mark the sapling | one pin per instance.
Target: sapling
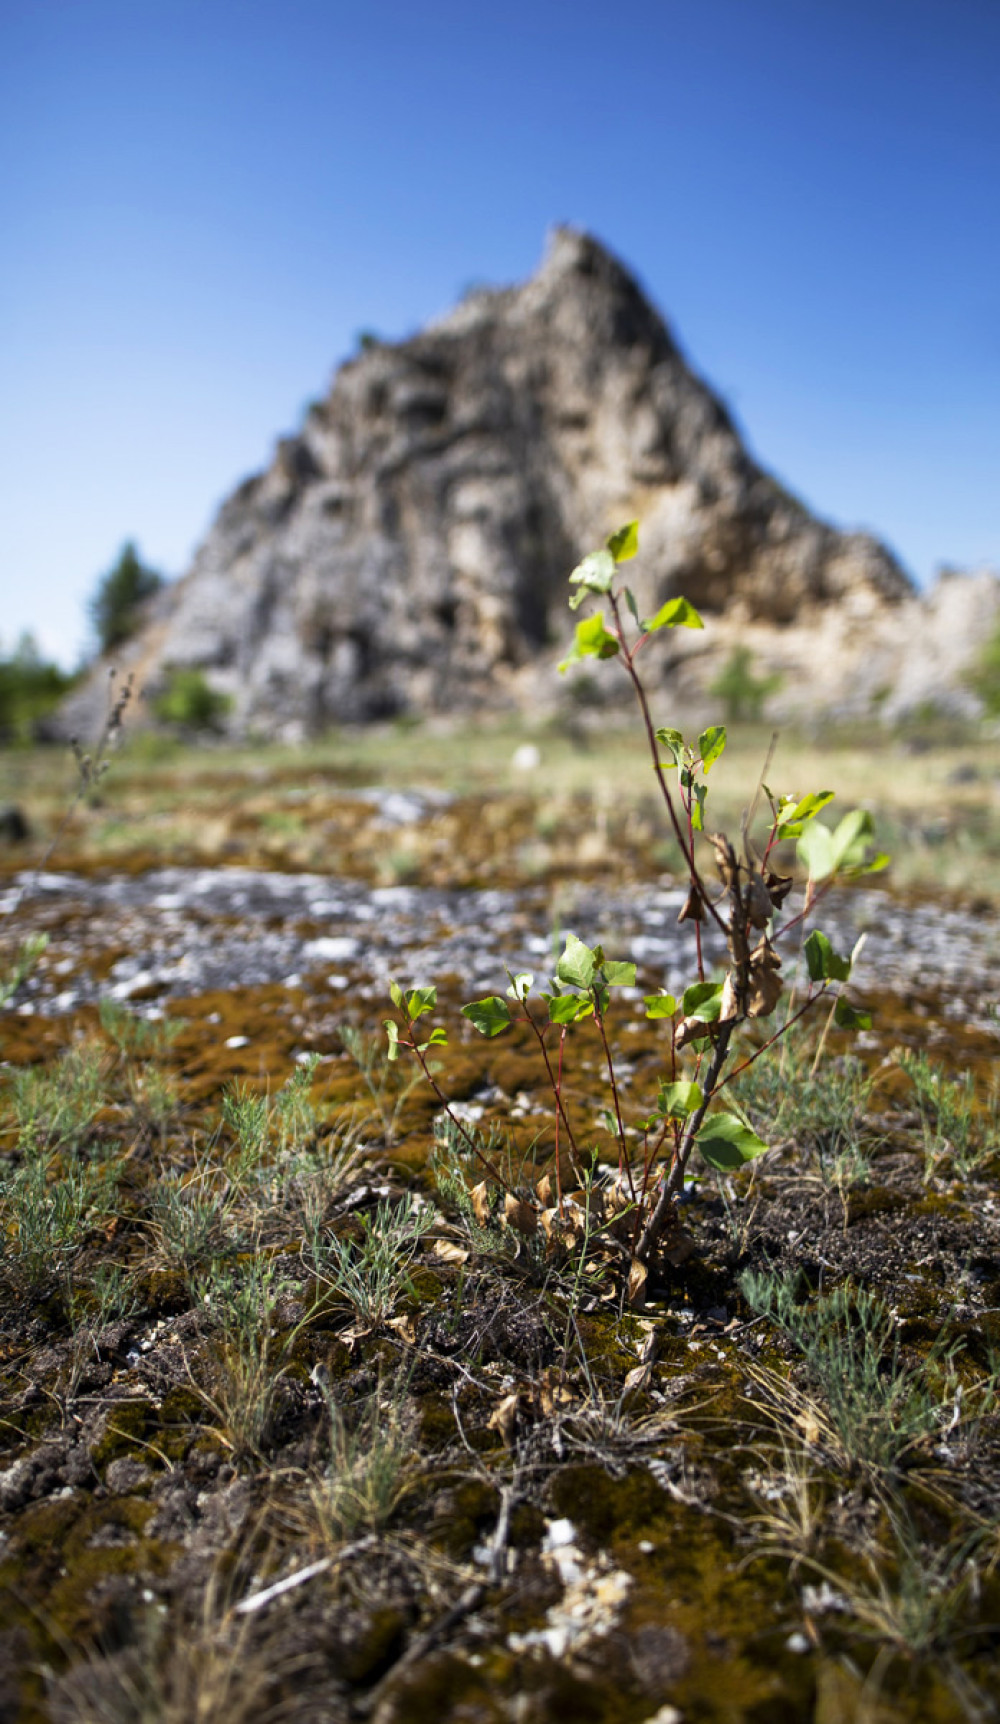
(742, 900)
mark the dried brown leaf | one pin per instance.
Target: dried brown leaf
(757, 902)
(730, 1007)
(520, 1214)
(693, 909)
(504, 1417)
(480, 1196)
(450, 1253)
(636, 1290)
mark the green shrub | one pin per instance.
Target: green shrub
(190, 702)
(741, 692)
(30, 688)
(984, 678)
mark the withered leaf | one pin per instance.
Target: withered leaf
(405, 1328)
(778, 887)
(693, 909)
(519, 1214)
(480, 1197)
(450, 1253)
(765, 981)
(543, 1190)
(730, 1007)
(725, 858)
(636, 1290)
(553, 1394)
(738, 944)
(688, 1030)
(757, 902)
(638, 1377)
(503, 1418)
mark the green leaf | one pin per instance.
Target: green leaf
(624, 544)
(703, 1000)
(726, 1142)
(677, 1100)
(396, 995)
(490, 1016)
(825, 965)
(392, 1031)
(795, 814)
(877, 863)
(608, 1120)
(676, 613)
(633, 607)
(419, 1001)
(577, 964)
(849, 1018)
(594, 575)
(711, 743)
(671, 739)
(520, 986)
(816, 852)
(438, 1038)
(852, 837)
(568, 1008)
(698, 807)
(592, 640)
(659, 1005)
(618, 974)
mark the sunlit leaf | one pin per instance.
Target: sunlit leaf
(624, 544)
(593, 575)
(677, 1100)
(592, 640)
(577, 964)
(676, 613)
(711, 743)
(659, 1005)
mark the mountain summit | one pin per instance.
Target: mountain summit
(408, 549)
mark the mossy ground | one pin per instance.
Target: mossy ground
(194, 1406)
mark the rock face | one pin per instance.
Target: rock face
(408, 549)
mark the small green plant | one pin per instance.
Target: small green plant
(371, 1272)
(238, 1308)
(54, 1107)
(48, 1206)
(192, 1217)
(369, 1467)
(878, 1404)
(389, 1090)
(952, 1125)
(704, 1025)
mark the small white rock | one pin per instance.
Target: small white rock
(237, 1041)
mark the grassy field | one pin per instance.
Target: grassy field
(934, 792)
(318, 1402)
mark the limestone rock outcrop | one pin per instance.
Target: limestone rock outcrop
(407, 550)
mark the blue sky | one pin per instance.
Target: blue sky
(202, 203)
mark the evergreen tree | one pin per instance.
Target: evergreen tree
(117, 604)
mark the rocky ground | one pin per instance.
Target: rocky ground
(300, 1422)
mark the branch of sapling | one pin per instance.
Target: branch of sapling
(628, 661)
(556, 1084)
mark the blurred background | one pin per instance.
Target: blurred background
(203, 204)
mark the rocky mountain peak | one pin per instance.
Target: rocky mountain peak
(407, 549)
